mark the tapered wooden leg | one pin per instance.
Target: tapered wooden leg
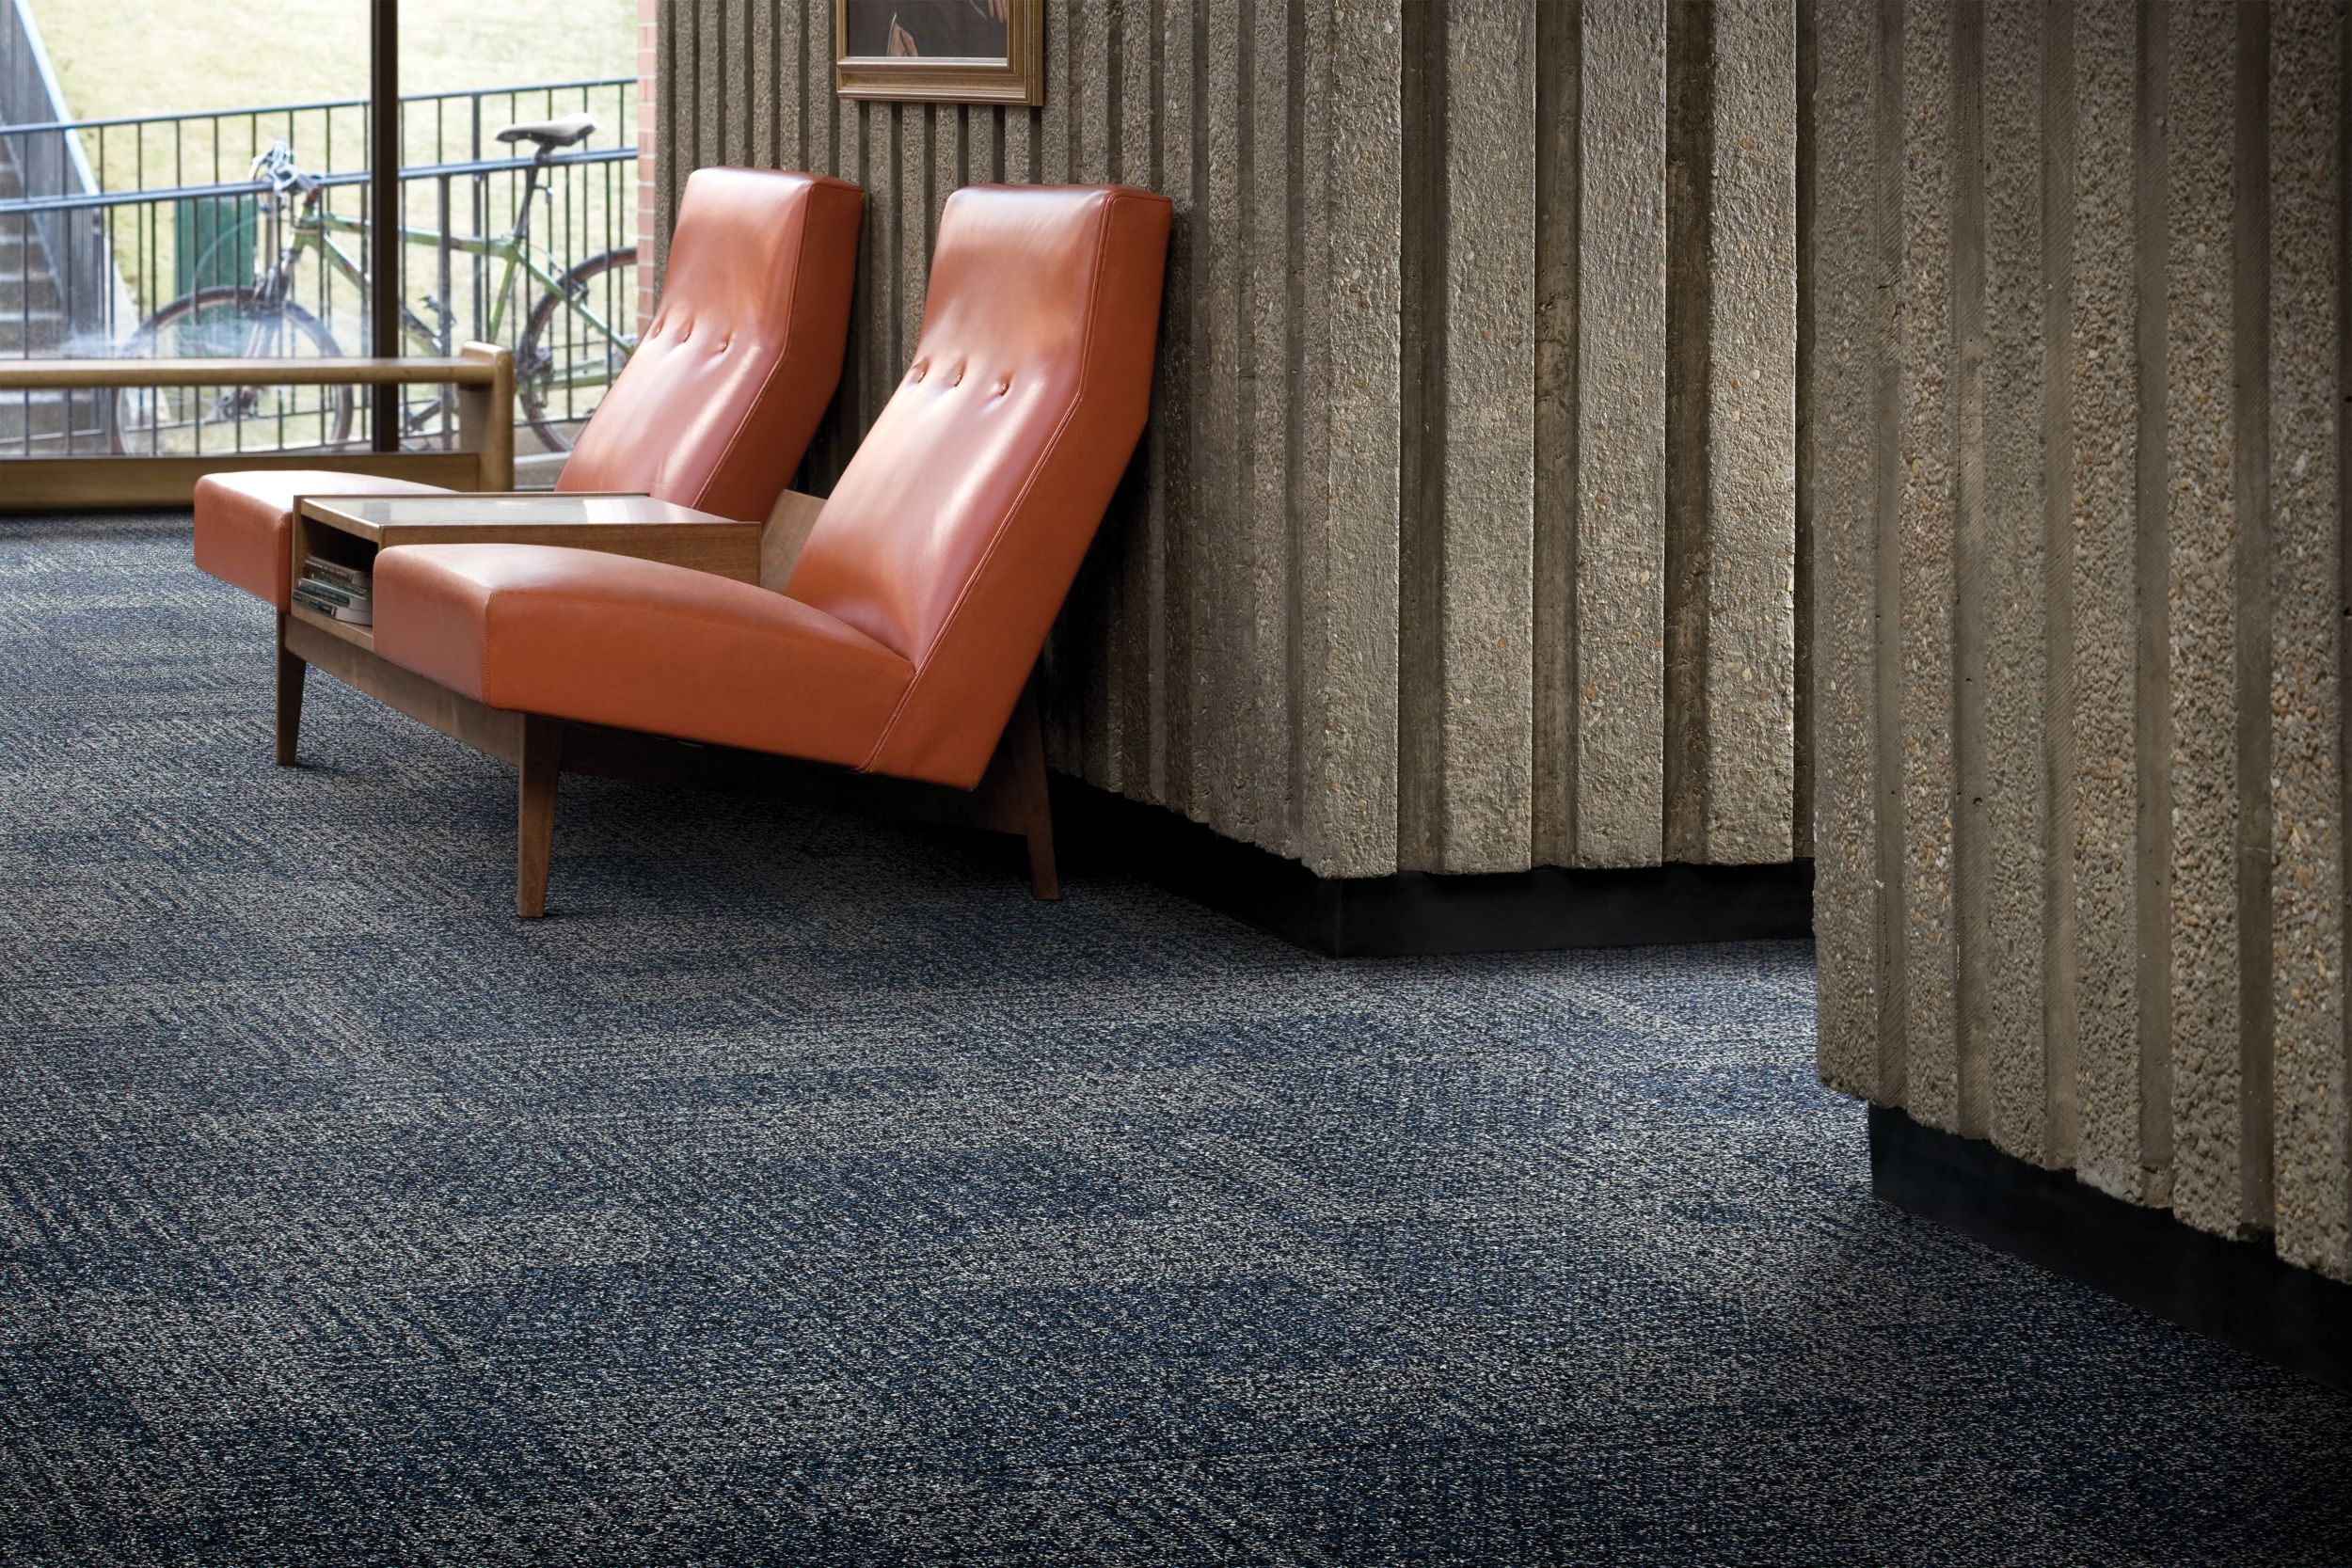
(290, 673)
(1030, 806)
(542, 759)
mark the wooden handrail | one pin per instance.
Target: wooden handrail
(478, 365)
(484, 375)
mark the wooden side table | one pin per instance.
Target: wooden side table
(350, 530)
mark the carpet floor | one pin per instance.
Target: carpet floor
(801, 1192)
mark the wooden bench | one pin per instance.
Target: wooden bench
(483, 375)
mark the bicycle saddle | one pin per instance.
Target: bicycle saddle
(551, 133)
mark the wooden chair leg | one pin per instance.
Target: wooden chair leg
(290, 673)
(543, 760)
(1027, 801)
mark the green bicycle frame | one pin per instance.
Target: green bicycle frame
(320, 226)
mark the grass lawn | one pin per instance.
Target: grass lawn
(173, 57)
(136, 57)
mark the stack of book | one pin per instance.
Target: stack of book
(338, 591)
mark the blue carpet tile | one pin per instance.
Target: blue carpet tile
(802, 1192)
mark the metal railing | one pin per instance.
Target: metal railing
(58, 242)
(167, 211)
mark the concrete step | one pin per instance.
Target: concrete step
(20, 290)
(29, 332)
(44, 415)
(84, 442)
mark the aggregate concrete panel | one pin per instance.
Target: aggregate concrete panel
(2202, 594)
(1485, 626)
(763, 131)
(950, 148)
(1223, 623)
(1235, 649)
(2020, 725)
(666, 96)
(1349, 606)
(1141, 634)
(2149, 478)
(1844, 259)
(1619, 613)
(1971, 870)
(2312, 1159)
(2104, 361)
(1066, 658)
(711, 121)
(911, 251)
(1307, 437)
(1093, 78)
(1559, 62)
(1177, 411)
(1931, 1088)
(785, 71)
(817, 111)
(1751, 661)
(2251, 663)
(1802, 799)
(878, 170)
(1097, 611)
(1690, 276)
(728, 23)
(816, 104)
(1269, 412)
(1020, 145)
(1056, 118)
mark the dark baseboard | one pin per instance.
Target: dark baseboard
(2236, 1291)
(1417, 912)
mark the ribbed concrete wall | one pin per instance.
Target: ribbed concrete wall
(2077, 368)
(1402, 577)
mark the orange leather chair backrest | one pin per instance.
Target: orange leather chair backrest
(718, 403)
(953, 536)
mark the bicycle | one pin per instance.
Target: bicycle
(578, 334)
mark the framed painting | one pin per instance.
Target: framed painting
(940, 51)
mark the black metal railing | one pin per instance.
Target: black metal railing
(175, 217)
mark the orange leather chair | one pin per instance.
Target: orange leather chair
(916, 607)
(712, 411)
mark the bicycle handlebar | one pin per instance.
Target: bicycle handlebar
(277, 169)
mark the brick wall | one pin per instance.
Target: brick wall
(648, 193)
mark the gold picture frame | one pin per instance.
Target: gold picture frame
(1018, 77)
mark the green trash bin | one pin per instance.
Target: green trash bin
(213, 240)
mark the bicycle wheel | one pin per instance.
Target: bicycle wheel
(568, 359)
(227, 323)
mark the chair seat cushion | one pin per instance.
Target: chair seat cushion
(637, 644)
(244, 522)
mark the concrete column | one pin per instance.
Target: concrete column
(2103, 423)
(2027, 545)
(1927, 432)
(1749, 517)
(1619, 609)
(1846, 253)
(2125, 1128)
(2201, 461)
(1466, 703)
(2311, 369)
(1348, 610)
